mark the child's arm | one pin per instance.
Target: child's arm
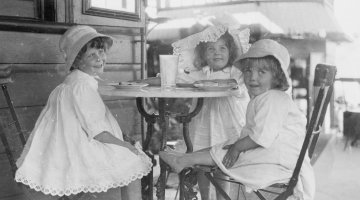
(235, 149)
(106, 137)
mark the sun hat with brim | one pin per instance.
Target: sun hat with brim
(185, 48)
(268, 47)
(75, 38)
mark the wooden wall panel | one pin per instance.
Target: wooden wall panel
(43, 48)
(29, 48)
(125, 50)
(18, 8)
(30, 89)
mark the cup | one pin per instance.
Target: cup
(168, 70)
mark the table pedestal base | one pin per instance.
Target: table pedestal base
(187, 177)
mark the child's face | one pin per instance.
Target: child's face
(93, 61)
(217, 54)
(257, 77)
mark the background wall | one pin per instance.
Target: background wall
(30, 48)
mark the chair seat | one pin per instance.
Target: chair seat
(212, 169)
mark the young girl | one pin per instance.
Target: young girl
(76, 144)
(220, 119)
(271, 140)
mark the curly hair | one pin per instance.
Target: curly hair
(200, 51)
(279, 81)
(98, 43)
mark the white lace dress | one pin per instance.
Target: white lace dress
(221, 118)
(62, 158)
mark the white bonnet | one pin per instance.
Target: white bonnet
(268, 47)
(185, 48)
(75, 38)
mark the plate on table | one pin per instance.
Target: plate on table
(216, 84)
(128, 85)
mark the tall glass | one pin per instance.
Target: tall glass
(168, 70)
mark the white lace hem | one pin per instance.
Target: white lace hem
(71, 190)
(75, 189)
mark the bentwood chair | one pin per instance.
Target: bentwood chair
(324, 79)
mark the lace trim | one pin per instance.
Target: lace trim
(210, 34)
(86, 188)
(241, 38)
(185, 47)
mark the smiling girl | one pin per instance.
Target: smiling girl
(77, 145)
(220, 119)
(270, 143)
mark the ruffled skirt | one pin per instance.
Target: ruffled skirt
(97, 168)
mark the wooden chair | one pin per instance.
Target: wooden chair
(324, 78)
(5, 79)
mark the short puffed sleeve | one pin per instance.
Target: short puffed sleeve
(265, 117)
(90, 110)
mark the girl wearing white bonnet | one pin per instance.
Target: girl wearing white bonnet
(77, 145)
(209, 55)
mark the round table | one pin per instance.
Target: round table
(163, 94)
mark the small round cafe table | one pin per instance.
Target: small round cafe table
(163, 95)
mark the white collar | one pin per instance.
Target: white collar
(80, 75)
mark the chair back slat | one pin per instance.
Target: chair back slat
(321, 120)
(324, 77)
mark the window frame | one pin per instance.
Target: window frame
(102, 12)
(45, 11)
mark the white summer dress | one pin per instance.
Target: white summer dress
(221, 118)
(62, 158)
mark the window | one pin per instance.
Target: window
(122, 9)
(35, 10)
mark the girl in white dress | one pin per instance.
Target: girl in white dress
(209, 55)
(76, 144)
(270, 142)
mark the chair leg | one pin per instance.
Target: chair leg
(217, 186)
(13, 114)
(17, 124)
(259, 195)
(8, 152)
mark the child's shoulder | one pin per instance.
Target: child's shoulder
(80, 80)
(274, 96)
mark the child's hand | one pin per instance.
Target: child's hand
(231, 156)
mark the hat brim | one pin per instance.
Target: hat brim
(266, 47)
(83, 41)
